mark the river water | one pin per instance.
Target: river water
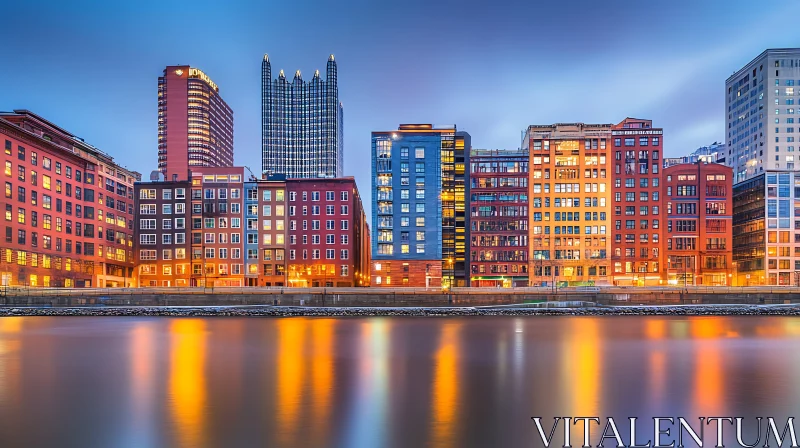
(379, 382)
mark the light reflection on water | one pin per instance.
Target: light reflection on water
(439, 382)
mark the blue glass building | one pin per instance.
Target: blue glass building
(301, 124)
(418, 204)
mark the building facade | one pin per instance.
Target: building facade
(750, 231)
(271, 197)
(498, 253)
(302, 124)
(68, 208)
(327, 234)
(636, 190)
(218, 225)
(761, 115)
(419, 211)
(698, 246)
(569, 191)
(163, 252)
(195, 125)
(212, 209)
(766, 229)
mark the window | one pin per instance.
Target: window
(420, 221)
(419, 152)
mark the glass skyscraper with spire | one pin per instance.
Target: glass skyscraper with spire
(301, 124)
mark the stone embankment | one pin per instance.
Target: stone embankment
(281, 311)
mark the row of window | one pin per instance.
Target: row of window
(47, 243)
(643, 141)
(630, 182)
(47, 163)
(570, 216)
(630, 210)
(387, 208)
(631, 196)
(315, 196)
(266, 195)
(315, 210)
(81, 229)
(330, 254)
(631, 238)
(36, 260)
(630, 224)
(569, 230)
(197, 269)
(630, 252)
(388, 249)
(166, 194)
(329, 239)
(539, 145)
(383, 150)
(387, 236)
(690, 208)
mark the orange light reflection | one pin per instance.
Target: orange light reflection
(187, 388)
(445, 388)
(291, 339)
(709, 381)
(322, 332)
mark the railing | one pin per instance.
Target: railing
(544, 290)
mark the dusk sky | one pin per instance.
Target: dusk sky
(492, 68)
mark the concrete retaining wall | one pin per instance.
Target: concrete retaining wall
(389, 299)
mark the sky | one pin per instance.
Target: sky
(491, 68)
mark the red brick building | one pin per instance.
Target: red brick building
(195, 125)
(271, 235)
(328, 240)
(697, 248)
(498, 253)
(198, 235)
(636, 202)
(68, 208)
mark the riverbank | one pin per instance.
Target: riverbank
(283, 311)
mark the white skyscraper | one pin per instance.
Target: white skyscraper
(760, 113)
